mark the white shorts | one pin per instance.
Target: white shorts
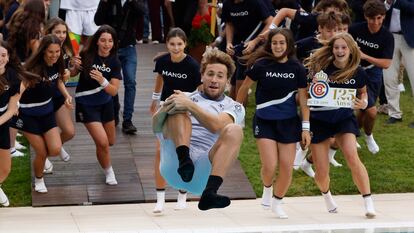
(169, 166)
(81, 22)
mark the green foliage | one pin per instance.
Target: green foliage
(201, 35)
(390, 170)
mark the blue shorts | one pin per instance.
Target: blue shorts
(323, 130)
(5, 136)
(169, 166)
(34, 124)
(283, 131)
(58, 102)
(99, 113)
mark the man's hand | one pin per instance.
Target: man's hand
(178, 103)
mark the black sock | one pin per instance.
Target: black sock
(185, 164)
(366, 195)
(210, 199)
(280, 198)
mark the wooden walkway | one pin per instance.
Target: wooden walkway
(81, 180)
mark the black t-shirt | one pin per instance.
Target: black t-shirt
(305, 47)
(356, 82)
(244, 16)
(378, 45)
(89, 91)
(12, 88)
(183, 76)
(305, 24)
(277, 81)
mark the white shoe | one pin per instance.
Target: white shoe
(181, 201)
(371, 144)
(307, 168)
(159, 207)
(369, 207)
(110, 176)
(332, 160)
(40, 186)
(299, 157)
(64, 155)
(18, 146)
(15, 153)
(48, 169)
(155, 42)
(401, 87)
(19, 134)
(4, 201)
(331, 206)
(358, 146)
(277, 208)
(267, 197)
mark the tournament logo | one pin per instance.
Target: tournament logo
(321, 88)
(19, 123)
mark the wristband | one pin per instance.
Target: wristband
(105, 83)
(272, 26)
(305, 126)
(156, 96)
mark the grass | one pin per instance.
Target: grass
(390, 170)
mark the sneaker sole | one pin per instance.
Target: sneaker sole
(129, 131)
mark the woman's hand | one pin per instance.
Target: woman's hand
(154, 107)
(97, 75)
(360, 103)
(306, 139)
(68, 102)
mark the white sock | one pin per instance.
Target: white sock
(40, 186)
(159, 206)
(277, 208)
(299, 157)
(4, 201)
(358, 146)
(110, 176)
(369, 207)
(307, 168)
(18, 146)
(371, 144)
(329, 202)
(267, 197)
(64, 155)
(332, 160)
(48, 168)
(181, 201)
(15, 153)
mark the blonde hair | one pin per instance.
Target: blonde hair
(215, 56)
(323, 57)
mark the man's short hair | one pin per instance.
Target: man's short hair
(329, 20)
(215, 56)
(373, 8)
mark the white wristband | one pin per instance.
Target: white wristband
(156, 96)
(305, 126)
(272, 26)
(105, 83)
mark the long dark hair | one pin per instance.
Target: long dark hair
(26, 23)
(51, 24)
(13, 63)
(37, 64)
(265, 51)
(91, 50)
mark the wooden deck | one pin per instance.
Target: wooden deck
(81, 180)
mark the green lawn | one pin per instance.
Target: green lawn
(391, 170)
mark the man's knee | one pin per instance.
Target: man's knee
(233, 132)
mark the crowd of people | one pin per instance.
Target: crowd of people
(289, 48)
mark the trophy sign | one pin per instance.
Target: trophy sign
(323, 95)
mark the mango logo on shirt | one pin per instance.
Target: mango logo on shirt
(174, 75)
(102, 68)
(53, 77)
(367, 43)
(279, 75)
(237, 14)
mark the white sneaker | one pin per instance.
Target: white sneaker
(19, 134)
(307, 168)
(15, 153)
(48, 169)
(401, 87)
(299, 157)
(40, 186)
(181, 201)
(369, 207)
(155, 42)
(18, 146)
(332, 160)
(110, 176)
(267, 197)
(64, 155)
(4, 201)
(358, 146)
(277, 208)
(159, 207)
(371, 144)
(331, 206)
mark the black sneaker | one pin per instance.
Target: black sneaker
(393, 120)
(128, 127)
